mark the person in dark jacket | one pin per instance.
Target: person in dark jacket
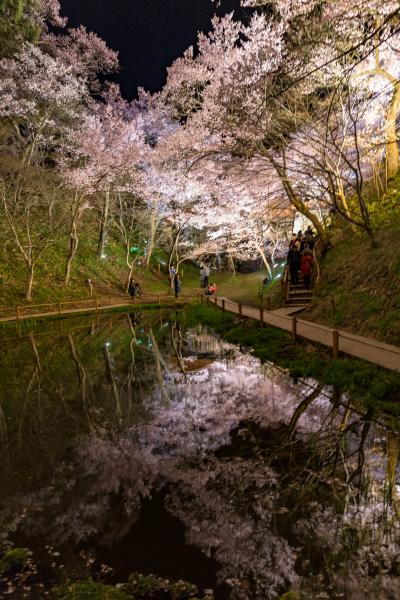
(131, 288)
(134, 288)
(306, 267)
(309, 238)
(301, 240)
(177, 285)
(293, 260)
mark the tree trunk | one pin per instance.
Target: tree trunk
(265, 260)
(131, 268)
(303, 209)
(231, 265)
(173, 249)
(29, 285)
(297, 202)
(392, 148)
(103, 224)
(152, 234)
(73, 248)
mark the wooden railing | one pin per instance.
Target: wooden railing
(379, 353)
(285, 283)
(66, 307)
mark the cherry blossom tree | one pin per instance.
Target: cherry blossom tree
(40, 101)
(241, 94)
(109, 147)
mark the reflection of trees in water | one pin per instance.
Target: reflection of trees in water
(55, 389)
(274, 480)
(200, 341)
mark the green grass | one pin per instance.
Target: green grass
(360, 288)
(244, 288)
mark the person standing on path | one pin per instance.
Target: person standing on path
(177, 285)
(206, 271)
(131, 288)
(306, 267)
(301, 239)
(309, 237)
(293, 260)
(171, 272)
(293, 241)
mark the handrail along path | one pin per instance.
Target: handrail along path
(379, 353)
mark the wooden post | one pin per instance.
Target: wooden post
(223, 304)
(17, 308)
(240, 311)
(59, 308)
(294, 329)
(97, 305)
(159, 301)
(335, 344)
(215, 302)
(261, 317)
(268, 303)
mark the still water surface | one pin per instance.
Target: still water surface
(136, 443)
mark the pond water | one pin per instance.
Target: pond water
(133, 442)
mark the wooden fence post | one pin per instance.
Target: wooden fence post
(59, 308)
(335, 344)
(17, 308)
(294, 329)
(261, 317)
(97, 305)
(223, 304)
(159, 301)
(240, 311)
(268, 303)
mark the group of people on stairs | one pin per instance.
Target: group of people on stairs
(300, 257)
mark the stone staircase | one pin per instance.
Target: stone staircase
(298, 295)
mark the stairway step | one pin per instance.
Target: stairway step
(299, 295)
(298, 300)
(302, 304)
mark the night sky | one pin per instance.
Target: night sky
(149, 34)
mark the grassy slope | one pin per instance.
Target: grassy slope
(360, 289)
(108, 274)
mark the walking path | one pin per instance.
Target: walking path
(379, 353)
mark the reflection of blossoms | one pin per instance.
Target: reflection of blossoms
(228, 510)
(218, 449)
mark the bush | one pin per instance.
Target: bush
(89, 590)
(14, 559)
